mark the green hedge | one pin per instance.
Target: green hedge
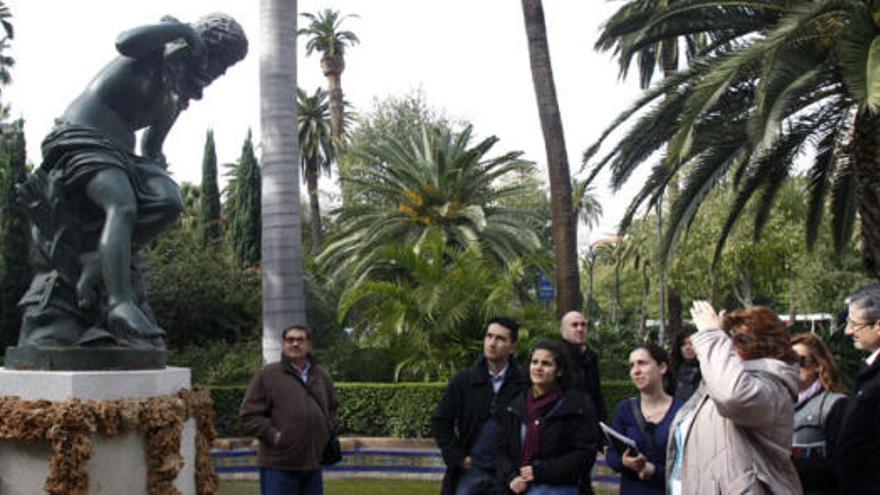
(379, 409)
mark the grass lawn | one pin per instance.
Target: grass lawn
(355, 487)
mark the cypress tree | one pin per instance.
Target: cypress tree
(15, 232)
(209, 202)
(245, 229)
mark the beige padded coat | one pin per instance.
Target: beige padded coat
(739, 441)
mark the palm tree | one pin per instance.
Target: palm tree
(585, 204)
(435, 181)
(781, 77)
(282, 261)
(6, 61)
(622, 34)
(429, 304)
(315, 151)
(326, 37)
(564, 223)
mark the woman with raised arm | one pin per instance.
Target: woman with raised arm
(734, 434)
(644, 418)
(549, 437)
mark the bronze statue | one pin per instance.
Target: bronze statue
(93, 201)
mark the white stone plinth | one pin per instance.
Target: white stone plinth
(118, 465)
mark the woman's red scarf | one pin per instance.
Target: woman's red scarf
(535, 410)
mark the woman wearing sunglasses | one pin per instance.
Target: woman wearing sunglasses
(817, 416)
(734, 434)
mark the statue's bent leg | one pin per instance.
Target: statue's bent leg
(162, 208)
(111, 190)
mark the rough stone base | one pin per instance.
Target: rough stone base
(117, 466)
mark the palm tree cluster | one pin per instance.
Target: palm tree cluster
(322, 120)
(431, 181)
(768, 82)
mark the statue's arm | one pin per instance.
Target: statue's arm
(146, 40)
(154, 137)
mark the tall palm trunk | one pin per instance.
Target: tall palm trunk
(563, 219)
(866, 169)
(283, 300)
(314, 205)
(332, 67)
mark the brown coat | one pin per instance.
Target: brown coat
(739, 441)
(277, 401)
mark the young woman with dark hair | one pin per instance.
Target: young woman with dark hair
(818, 415)
(646, 419)
(734, 435)
(685, 364)
(549, 439)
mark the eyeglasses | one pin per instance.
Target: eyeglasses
(579, 324)
(294, 340)
(856, 325)
(805, 361)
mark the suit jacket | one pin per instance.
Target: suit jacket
(858, 443)
(464, 408)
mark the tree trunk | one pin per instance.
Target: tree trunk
(332, 68)
(661, 276)
(283, 299)
(563, 220)
(676, 308)
(315, 206)
(866, 169)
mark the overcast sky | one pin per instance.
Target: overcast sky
(468, 57)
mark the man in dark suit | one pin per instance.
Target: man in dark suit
(465, 422)
(574, 331)
(858, 443)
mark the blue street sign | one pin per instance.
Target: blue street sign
(546, 292)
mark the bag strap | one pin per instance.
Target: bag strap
(640, 421)
(314, 397)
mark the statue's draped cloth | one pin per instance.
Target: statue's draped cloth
(66, 231)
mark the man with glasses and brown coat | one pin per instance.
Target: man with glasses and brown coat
(290, 406)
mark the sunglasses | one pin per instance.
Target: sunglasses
(805, 361)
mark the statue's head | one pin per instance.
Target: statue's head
(225, 41)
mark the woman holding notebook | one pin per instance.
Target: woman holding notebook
(644, 419)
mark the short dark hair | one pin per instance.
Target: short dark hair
(508, 323)
(296, 326)
(868, 300)
(561, 357)
(660, 356)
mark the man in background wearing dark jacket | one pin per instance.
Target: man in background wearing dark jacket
(573, 328)
(291, 407)
(465, 422)
(858, 442)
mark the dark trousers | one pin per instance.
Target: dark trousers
(288, 482)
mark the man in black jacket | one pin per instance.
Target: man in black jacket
(858, 443)
(465, 423)
(573, 328)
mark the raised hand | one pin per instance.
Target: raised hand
(705, 317)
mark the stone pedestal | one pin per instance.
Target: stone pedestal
(118, 465)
